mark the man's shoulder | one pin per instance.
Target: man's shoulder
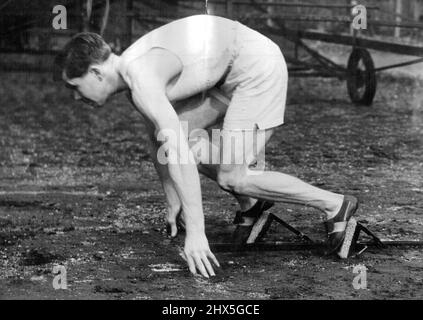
(157, 63)
(131, 57)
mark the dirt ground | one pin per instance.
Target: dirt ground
(76, 189)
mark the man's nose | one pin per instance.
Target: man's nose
(76, 95)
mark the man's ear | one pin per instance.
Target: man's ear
(96, 72)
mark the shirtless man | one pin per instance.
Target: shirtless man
(201, 69)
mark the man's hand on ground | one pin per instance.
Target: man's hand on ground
(197, 254)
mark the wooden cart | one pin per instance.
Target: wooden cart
(360, 71)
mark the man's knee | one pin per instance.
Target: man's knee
(231, 180)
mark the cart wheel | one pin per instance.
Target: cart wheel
(361, 77)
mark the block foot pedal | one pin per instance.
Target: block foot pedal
(260, 228)
(350, 246)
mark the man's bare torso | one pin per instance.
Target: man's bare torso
(205, 46)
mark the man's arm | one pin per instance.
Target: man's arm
(174, 208)
(149, 76)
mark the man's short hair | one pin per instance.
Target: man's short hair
(83, 50)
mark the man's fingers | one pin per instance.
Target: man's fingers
(211, 256)
(200, 266)
(191, 264)
(182, 254)
(209, 267)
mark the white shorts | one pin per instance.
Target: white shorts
(256, 86)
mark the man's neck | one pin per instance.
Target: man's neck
(119, 83)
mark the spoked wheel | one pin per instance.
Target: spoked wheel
(361, 77)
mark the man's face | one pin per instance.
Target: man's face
(91, 88)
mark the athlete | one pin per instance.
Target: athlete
(201, 70)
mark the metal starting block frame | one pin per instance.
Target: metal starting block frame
(351, 246)
(263, 224)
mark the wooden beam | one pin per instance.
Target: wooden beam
(350, 41)
(361, 42)
(301, 5)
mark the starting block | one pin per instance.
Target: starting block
(351, 247)
(263, 224)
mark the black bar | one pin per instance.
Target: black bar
(283, 4)
(400, 65)
(300, 5)
(360, 42)
(325, 62)
(344, 19)
(267, 246)
(295, 74)
(305, 18)
(292, 229)
(291, 246)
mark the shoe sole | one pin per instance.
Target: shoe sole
(337, 248)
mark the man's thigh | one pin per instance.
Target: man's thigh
(201, 111)
(241, 150)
